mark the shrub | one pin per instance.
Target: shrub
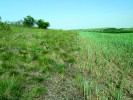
(42, 24)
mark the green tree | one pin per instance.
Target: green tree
(29, 21)
(42, 24)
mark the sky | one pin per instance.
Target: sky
(71, 14)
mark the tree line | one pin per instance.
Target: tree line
(28, 21)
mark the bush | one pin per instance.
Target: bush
(29, 21)
(42, 24)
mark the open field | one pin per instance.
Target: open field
(65, 65)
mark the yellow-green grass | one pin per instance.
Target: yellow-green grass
(29, 56)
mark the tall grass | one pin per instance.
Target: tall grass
(32, 55)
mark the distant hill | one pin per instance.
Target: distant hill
(108, 30)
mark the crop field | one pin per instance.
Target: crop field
(39, 64)
(106, 61)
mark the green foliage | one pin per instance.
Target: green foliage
(42, 24)
(29, 21)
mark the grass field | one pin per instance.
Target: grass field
(30, 57)
(65, 65)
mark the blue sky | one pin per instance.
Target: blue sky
(71, 14)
